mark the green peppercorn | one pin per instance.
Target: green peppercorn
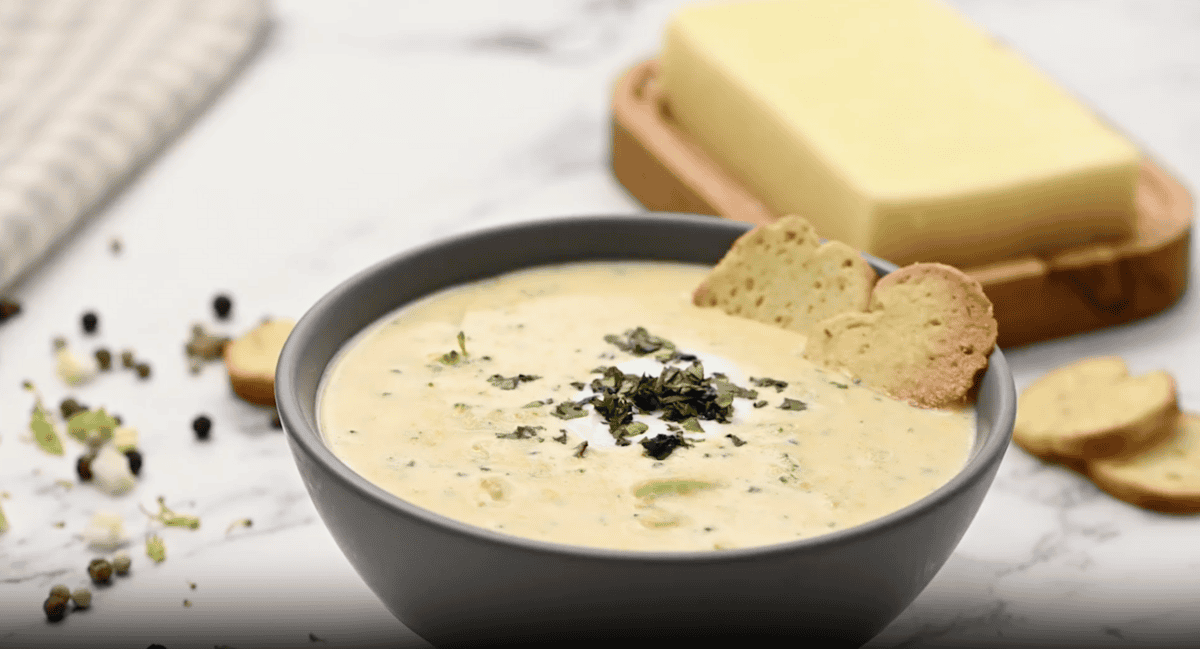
(143, 370)
(60, 590)
(104, 359)
(100, 570)
(83, 467)
(82, 598)
(55, 607)
(121, 563)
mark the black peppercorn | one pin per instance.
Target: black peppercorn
(55, 607)
(83, 466)
(8, 309)
(143, 370)
(100, 570)
(127, 359)
(104, 359)
(222, 306)
(90, 322)
(70, 407)
(202, 425)
(135, 461)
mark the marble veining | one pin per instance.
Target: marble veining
(364, 129)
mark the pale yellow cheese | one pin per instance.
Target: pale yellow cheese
(897, 127)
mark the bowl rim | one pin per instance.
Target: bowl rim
(306, 437)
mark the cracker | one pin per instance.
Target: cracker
(781, 274)
(1092, 409)
(251, 359)
(1164, 477)
(926, 337)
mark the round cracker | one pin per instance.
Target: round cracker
(782, 275)
(1164, 477)
(1093, 408)
(926, 338)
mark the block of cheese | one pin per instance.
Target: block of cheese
(897, 127)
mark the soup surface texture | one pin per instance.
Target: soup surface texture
(530, 431)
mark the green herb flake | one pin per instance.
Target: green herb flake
(737, 441)
(691, 424)
(660, 446)
(43, 431)
(521, 432)
(538, 404)
(841, 386)
(569, 410)
(511, 382)
(3, 521)
(156, 549)
(92, 426)
(760, 404)
(640, 342)
(793, 404)
(462, 343)
(171, 518)
(581, 449)
(561, 439)
(632, 429)
(764, 382)
(653, 489)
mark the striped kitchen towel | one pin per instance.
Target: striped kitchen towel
(90, 91)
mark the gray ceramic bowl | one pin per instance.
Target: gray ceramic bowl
(458, 585)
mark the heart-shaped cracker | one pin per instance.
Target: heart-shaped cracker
(926, 336)
(781, 274)
(1093, 408)
(1164, 477)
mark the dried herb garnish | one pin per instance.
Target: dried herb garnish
(538, 404)
(581, 449)
(662, 445)
(453, 357)
(760, 404)
(171, 518)
(521, 432)
(511, 382)
(561, 439)
(793, 404)
(625, 431)
(92, 427)
(156, 549)
(765, 382)
(3, 521)
(737, 441)
(569, 410)
(843, 386)
(640, 342)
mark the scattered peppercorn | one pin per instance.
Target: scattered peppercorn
(60, 590)
(82, 597)
(127, 359)
(100, 570)
(90, 321)
(202, 425)
(104, 359)
(135, 461)
(276, 423)
(115, 245)
(55, 607)
(121, 563)
(222, 305)
(69, 407)
(83, 466)
(143, 370)
(8, 309)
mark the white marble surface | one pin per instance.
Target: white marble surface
(366, 128)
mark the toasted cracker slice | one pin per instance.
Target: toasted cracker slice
(1093, 408)
(927, 335)
(251, 359)
(782, 274)
(1164, 477)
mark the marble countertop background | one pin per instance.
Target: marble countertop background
(367, 128)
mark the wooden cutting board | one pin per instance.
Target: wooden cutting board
(1036, 297)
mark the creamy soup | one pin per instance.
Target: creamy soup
(593, 404)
